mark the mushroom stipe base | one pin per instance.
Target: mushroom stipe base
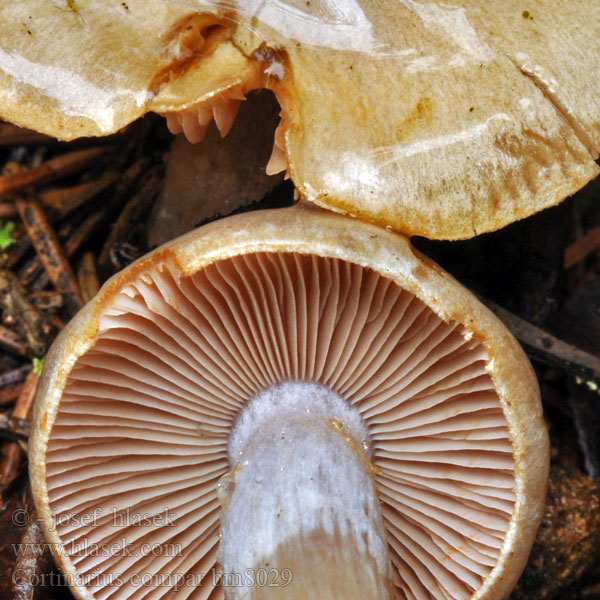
(300, 493)
(142, 391)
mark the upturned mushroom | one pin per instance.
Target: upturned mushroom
(322, 413)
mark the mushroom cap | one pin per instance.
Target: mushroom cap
(137, 400)
(437, 120)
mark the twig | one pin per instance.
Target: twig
(12, 451)
(47, 300)
(134, 211)
(14, 377)
(18, 250)
(33, 559)
(10, 394)
(49, 251)
(88, 276)
(30, 320)
(3, 425)
(30, 271)
(61, 202)
(71, 246)
(12, 455)
(24, 404)
(55, 168)
(8, 211)
(12, 342)
(20, 428)
(84, 231)
(14, 429)
(39, 280)
(582, 247)
(11, 135)
(546, 348)
(32, 274)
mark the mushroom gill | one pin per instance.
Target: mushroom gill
(250, 374)
(263, 72)
(222, 108)
(217, 176)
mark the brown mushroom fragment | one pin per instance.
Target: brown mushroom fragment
(438, 120)
(340, 412)
(216, 177)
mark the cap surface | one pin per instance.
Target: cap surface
(437, 120)
(141, 391)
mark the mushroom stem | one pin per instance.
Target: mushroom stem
(301, 515)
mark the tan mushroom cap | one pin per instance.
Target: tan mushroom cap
(141, 390)
(438, 120)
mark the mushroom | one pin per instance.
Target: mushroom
(488, 123)
(315, 407)
(436, 120)
(216, 177)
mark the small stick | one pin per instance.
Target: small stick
(61, 202)
(49, 251)
(12, 342)
(34, 559)
(135, 210)
(24, 405)
(15, 430)
(47, 300)
(13, 453)
(8, 211)
(540, 345)
(582, 247)
(72, 245)
(30, 271)
(84, 231)
(14, 377)
(11, 135)
(126, 180)
(131, 175)
(61, 166)
(88, 277)
(10, 394)
(56, 321)
(18, 250)
(3, 424)
(31, 322)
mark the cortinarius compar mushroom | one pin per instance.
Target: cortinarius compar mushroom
(349, 419)
(346, 417)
